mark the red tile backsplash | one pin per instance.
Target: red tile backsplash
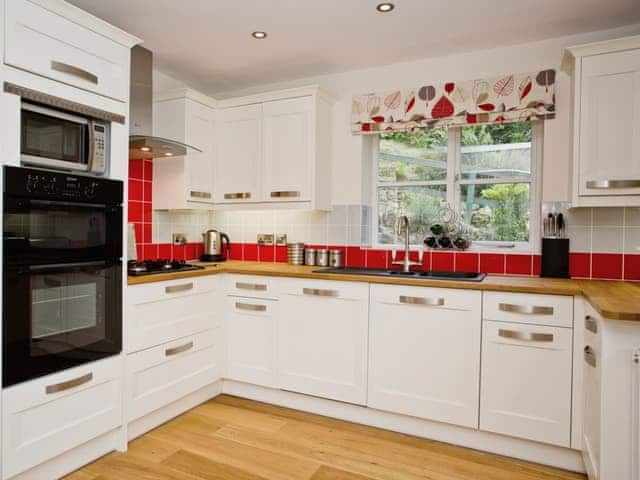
(492, 263)
(580, 265)
(377, 258)
(356, 257)
(632, 267)
(467, 262)
(518, 265)
(606, 266)
(443, 261)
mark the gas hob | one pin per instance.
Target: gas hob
(151, 267)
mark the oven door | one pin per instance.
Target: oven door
(46, 232)
(59, 316)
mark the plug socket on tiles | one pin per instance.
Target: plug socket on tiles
(281, 239)
(265, 239)
(179, 239)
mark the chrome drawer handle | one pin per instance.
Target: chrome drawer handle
(175, 350)
(284, 194)
(197, 194)
(431, 302)
(251, 307)
(256, 287)
(74, 71)
(590, 356)
(237, 196)
(525, 309)
(60, 387)
(526, 336)
(612, 184)
(590, 324)
(319, 292)
(178, 288)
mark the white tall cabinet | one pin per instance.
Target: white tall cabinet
(606, 123)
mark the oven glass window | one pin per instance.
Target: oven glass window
(52, 137)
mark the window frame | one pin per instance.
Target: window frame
(453, 182)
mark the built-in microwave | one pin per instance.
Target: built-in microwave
(62, 140)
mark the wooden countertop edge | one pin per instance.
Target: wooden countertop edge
(602, 295)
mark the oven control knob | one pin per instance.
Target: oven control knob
(32, 183)
(90, 190)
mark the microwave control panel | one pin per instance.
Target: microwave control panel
(98, 152)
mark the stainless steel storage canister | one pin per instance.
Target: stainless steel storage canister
(336, 259)
(310, 256)
(322, 258)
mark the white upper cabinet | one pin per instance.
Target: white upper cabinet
(239, 166)
(275, 149)
(184, 182)
(606, 148)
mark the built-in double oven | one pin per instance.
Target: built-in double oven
(62, 271)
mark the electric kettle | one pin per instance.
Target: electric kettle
(213, 251)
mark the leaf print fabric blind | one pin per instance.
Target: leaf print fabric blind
(509, 98)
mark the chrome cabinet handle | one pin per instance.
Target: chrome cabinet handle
(251, 307)
(178, 288)
(591, 324)
(256, 287)
(589, 356)
(525, 309)
(197, 194)
(526, 336)
(612, 184)
(75, 71)
(76, 382)
(175, 350)
(431, 302)
(320, 292)
(285, 194)
(237, 196)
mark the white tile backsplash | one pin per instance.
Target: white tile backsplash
(604, 230)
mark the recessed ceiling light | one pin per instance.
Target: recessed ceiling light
(385, 7)
(168, 154)
(145, 149)
(259, 35)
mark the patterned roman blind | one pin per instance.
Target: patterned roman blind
(508, 98)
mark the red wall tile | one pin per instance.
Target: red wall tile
(281, 254)
(467, 262)
(149, 252)
(266, 253)
(518, 265)
(377, 258)
(632, 267)
(148, 170)
(147, 233)
(492, 263)
(580, 265)
(355, 257)
(236, 252)
(135, 190)
(136, 169)
(537, 265)
(179, 252)
(165, 250)
(135, 212)
(606, 266)
(250, 252)
(147, 188)
(442, 261)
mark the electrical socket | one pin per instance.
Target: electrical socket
(281, 239)
(179, 238)
(265, 239)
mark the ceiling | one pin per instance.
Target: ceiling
(207, 43)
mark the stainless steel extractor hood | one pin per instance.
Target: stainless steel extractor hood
(142, 143)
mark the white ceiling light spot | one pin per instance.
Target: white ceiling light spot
(385, 7)
(259, 35)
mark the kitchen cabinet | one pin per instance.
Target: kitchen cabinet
(51, 415)
(274, 150)
(322, 329)
(239, 166)
(185, 182)
(606, 147)
(424, 353)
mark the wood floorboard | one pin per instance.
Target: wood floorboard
(229, 438)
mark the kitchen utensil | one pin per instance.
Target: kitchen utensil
(213, 248)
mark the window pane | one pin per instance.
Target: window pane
(496, 151)
(413, 156)
(420, 204)
(498, 212)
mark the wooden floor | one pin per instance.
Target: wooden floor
(230, 438)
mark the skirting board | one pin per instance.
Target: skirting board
(166, 413)
(550, 455)
(73, 459)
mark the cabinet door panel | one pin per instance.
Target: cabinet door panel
(610, 123)
(424, 360)
(322, 342)
(199, 130)
(526, 381)
(288, 149)
(240, 155)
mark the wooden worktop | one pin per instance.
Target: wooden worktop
(612, 299)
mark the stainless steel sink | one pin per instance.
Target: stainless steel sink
(417, 274)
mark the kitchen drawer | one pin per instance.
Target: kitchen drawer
(553, 310)
(38, 426)
(526, 381)
(151, 292)
(47, 44)
(251, 286)
(324, 289)
(161, 375)
(157, 322)
(427, 297)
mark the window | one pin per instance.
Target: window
(487, 173)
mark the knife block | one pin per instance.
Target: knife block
(555, 258)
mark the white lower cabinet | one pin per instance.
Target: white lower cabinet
(250, 334)
(526, 381)
(48, 416)
(161, 375)
(322, 339)
(424, 353)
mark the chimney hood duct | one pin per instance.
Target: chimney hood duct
(142, 143)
